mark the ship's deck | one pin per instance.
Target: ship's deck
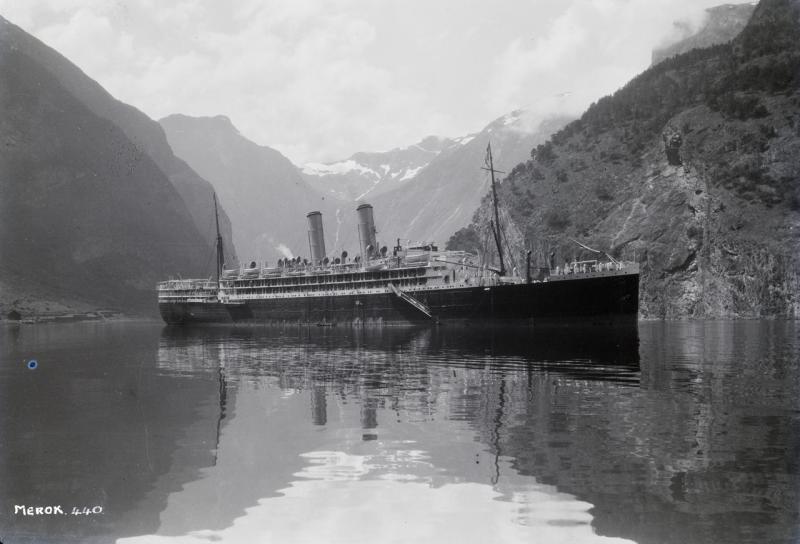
(438, 272)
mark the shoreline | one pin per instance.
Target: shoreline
(106, 316)
(77, 317)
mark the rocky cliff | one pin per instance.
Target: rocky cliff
(692, 169)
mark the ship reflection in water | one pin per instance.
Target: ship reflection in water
(677, 432)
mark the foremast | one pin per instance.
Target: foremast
(220, 249)
(496, 225)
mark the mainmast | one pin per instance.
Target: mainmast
(496, 223)
(220, 253)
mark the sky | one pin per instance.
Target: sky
(322, 79)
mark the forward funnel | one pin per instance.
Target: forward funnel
(316, 237)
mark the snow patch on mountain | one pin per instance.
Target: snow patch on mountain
(411, 172)
(521, 121)
(464, 140)
(338, 168)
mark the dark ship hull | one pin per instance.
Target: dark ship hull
(594, 300)
(175, 313)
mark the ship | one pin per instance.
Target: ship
(411, 284)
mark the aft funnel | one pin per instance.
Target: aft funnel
(366, 232)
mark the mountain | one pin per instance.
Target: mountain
(425, 191)
(368, 174)
(145, 133)
(88, 217)
(264, 192)
(692, 169)
(721, 24)
(442, 196)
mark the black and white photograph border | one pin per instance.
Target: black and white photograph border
(357, 271)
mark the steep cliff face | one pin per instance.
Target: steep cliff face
(693, 169)
(143, 132)
(85, 216)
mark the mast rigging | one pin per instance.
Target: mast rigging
(496, 226)
(220, 249)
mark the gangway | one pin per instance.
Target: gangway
(413, 302)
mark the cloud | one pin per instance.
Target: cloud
(320, 80)
(80, 35)
(290, 74)
(589, 50)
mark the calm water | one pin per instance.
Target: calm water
(682, 432)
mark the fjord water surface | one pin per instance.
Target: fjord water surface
(675, 432)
